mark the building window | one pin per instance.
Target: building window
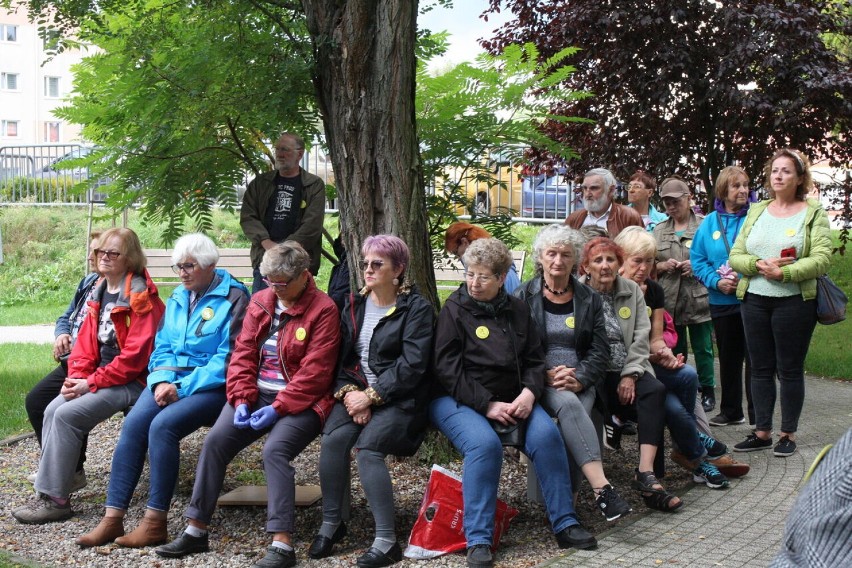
(8, 32)
(9, 81)
(9, 128)
(51, 87)
(51, 132)
(50, 39)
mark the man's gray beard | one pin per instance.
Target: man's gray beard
(596, 206)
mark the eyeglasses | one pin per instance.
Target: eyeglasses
(376, 265)
(635, 186)
(285, 149)
(277, 285)
(480, 278)
(108, 254)
(592, 188)
(186, 266)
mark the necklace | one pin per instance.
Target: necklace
(556, 292)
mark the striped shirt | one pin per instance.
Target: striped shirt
(270, 377)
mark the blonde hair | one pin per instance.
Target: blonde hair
(636, 241)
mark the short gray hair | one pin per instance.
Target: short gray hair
(609, 179)
(554, 236)
(491, 253)
(197, 246)
(287, 259)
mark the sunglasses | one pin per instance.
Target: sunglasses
(376, 265)
(108, 254)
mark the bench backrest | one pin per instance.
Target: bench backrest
(234, 260)
(450, 271)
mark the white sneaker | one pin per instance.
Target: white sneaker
(32, 477)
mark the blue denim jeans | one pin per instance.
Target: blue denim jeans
(683, 383)
(473, 436)
(681, 390)
(158, 430)
(778, 333)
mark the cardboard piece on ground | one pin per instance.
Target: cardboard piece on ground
(255, 496)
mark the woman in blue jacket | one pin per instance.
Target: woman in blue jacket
(186, 390)
(711, 247)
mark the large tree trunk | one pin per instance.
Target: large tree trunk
(365, 73)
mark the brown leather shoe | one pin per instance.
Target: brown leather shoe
(148, 533)
(107, 531)
(729, 466)
(682, 461)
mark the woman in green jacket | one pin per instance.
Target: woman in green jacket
(784, 245)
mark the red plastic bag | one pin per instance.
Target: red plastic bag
(439, 528)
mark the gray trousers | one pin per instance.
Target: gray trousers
(573, 411)
(287, 438)
(66, 424)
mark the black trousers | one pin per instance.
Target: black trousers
(649, 408)
(43, 394)
(733, 356)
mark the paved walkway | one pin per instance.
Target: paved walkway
(740, 526)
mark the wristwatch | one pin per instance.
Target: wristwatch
(635, 375)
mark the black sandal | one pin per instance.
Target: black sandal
(655, 498)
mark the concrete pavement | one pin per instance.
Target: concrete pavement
(742, 525)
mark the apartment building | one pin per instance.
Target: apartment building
(31, 87)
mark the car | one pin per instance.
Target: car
(548, 197)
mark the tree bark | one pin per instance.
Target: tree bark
(365, 81)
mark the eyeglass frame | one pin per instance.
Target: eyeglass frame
(188, 267)
(278, 285)
(110, 255)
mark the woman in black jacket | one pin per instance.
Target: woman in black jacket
(489, 361)
(382, 393)
(570, 319)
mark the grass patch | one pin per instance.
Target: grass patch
(22, 365)
(31, 314)
(9, 561)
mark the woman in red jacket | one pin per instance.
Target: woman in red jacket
(279, 383)
(106, 369)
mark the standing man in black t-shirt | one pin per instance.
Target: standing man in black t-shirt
(284, 204)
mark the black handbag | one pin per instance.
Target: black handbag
(510, 434)
(831, 301)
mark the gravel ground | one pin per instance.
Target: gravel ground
(237, 537)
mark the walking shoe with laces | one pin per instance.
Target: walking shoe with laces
(723, 419)
(611, 504)
(612, 435)
(729, 466)
(479, 556)
(77, 482)
(752, 443)
(43, 510)
(714, 447)
(709, 474)
(785, 447)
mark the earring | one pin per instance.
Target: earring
(396, 281)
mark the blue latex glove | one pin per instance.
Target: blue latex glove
(263, 418)
(242, 417)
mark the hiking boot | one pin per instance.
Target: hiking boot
(723, 419)
(43, 510)
(708, 474)
(714, 447)
(785, 447)
(612, 435)
(708, 398)
(480, 556)
(752, 443)
(729, 466)
(276, 557)
(611, 504)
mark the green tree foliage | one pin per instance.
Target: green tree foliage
(475, 117)
(183, 98)
(690, 86)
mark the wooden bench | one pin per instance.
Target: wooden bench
(234, 260)
(451, 271)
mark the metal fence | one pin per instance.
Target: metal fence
(45, 174)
